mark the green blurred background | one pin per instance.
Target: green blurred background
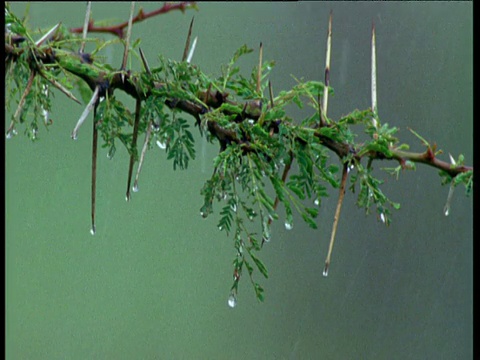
(153, 282)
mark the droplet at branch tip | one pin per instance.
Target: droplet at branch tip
(93, 230)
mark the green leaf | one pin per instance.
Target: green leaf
(261, 267)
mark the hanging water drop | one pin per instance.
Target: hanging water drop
(135, 188)
(11, 134)
(161, 144)
(93, 230)
(288, 225)
(382, 217)
(446, 209)
(111, 153)
(317, 201)
(232, 301)
(325, 270)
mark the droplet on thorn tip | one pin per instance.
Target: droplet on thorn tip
(93, 230)
(325, 270)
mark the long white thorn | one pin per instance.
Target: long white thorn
(47, 35)
(374, 79)
(85, 25)
(192, 50)
(327, 66)
(127, 40)
(85, 113)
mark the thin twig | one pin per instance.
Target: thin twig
(59, 86)
(118, 29)
(85, 25)
(22, 101)
(85, 113)
(134, 146)
(336, 218)
(187, 43)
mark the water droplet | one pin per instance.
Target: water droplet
(288, 225)
(204, 211)
(11, 134)
(325, 271)
(135, 188)
(74, 136)
(127, 198)
(102, 98)
(234, 207)
(111, 153)
(446, 210)
(93, 230)
(45, 114)
(161, 145)
(317, 201)
(232, 301)
(382, 217)
(266, 236)
(220, 228)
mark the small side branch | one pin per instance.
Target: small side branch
(117, 30)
